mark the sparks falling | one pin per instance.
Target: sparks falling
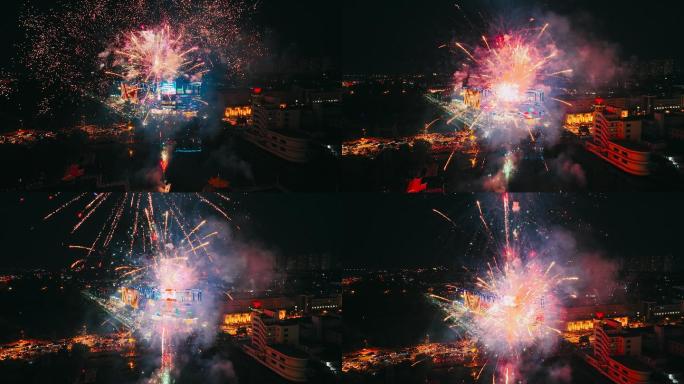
(514, 306)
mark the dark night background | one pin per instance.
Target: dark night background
(399, 36)
(309, 27)
(295, 38)
(394, 231)
(285, 224)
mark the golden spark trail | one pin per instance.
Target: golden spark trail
(166, 223)
(481, 369)
(226, 198)
(486, 43)
(197, 228)
(427, 126)
(133, 271)
(472, 126)
(562, 101)
(135, 222)
(80, 247)
(506, 224)
(199, 246)
(115, 74)
(210, 235)
(61, 207)
(219, 210)
(440, 298)
(444, 216)
(100, 199)
(482, 218)
(560, 72)
(467, 52)
(115, 222)
(542, 31)
(449, 159)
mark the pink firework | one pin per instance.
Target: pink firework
(509, 66)
(156, 55)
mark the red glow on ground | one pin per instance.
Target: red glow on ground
(416, 185)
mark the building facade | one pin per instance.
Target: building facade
(616, 353)
(272, 345)
(616, 139)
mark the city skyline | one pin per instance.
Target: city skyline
(341, 191)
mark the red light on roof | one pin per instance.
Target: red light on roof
(416, 185)
(599, 315)
(257, 90)
(256, 304)
(598, 101)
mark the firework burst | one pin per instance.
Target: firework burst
(157, 55)
(513, 307)
(131, 220)
(504, 79)
(70, 49)
(161, 277)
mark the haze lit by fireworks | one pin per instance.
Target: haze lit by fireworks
(71, 48)
(156, 55)
(506, 89)
(163, 247)
(502, 72)
(142, 220)
(514, 306)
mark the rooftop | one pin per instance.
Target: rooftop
(632, 363)
(289, 351)
(632, 145)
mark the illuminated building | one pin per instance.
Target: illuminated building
(615, 138)
(232, 322)
(179, 304)
(528, 105)
(276, 129)
(322, 96)
(581, 318)
(616, 353)
(272, 345)
(130, 297)
(575, 122)
(654, 311)
(654, 104)
(585, 325)
(234, 114)
(178, 97)
(670, 124)
(472, 98)
(312, 304)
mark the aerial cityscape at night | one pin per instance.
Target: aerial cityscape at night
(513, 288)
(355, 191)
(498, 95)
(168, 288)
(213, 95)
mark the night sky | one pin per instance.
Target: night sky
(286, 224)
(374, 230)
(306, 28)
(391, 231)
(402, 35)
(398, 36)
